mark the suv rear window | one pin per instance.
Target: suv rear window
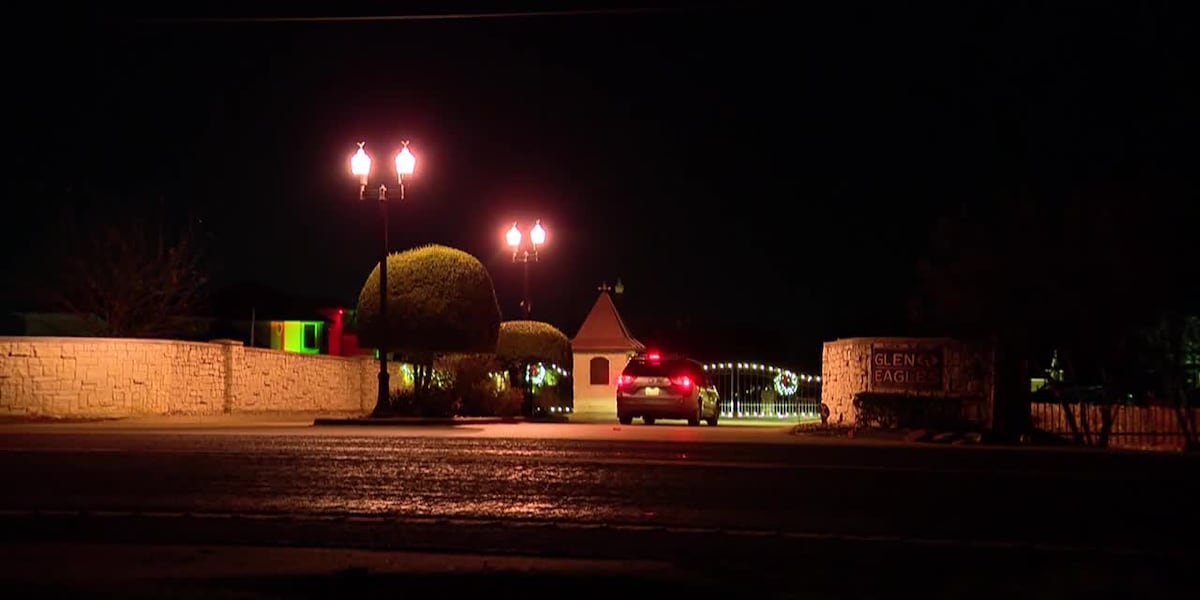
(666, 368)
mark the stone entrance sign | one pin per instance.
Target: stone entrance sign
(918, 367)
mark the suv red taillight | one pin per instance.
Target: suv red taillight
(683, 382)
(624, 381)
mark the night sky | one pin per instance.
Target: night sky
(760, 180)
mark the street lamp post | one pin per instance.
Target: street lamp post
(526, 254)
(360, 165)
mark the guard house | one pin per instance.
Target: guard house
(601, 349)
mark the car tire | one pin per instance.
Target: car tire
(712, 421)
(694, 420)
(625, 420)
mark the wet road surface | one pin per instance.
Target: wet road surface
(156, 511)
(517, 475)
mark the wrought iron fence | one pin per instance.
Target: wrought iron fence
(758, 391)
(1146, 427)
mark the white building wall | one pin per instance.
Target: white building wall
(596, 402)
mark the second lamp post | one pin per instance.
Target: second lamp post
(360, 165)
(525, 254)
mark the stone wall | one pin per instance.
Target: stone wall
(847, 369)
(102, 377)
(270, 381)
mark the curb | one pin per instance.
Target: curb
(418, 421)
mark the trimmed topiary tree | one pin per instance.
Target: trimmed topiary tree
(523, 343)
(532, 341)
(440, 300)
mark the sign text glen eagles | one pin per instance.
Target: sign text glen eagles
(906, 369)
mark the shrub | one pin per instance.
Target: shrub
(402, 403)
(545, 397)
(472, 383)
(435, 402)
(439, 300)
(523, 342)
(899, 411)
(438, 402)
(507, 403)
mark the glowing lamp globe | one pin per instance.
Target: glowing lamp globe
(513, 237)
(405, 162)
(537, 235)
(360, 163)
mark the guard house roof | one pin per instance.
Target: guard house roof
(604, 331)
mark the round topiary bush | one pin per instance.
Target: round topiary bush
(440, 300)
(532, 341)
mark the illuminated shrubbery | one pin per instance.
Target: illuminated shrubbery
(525, 343)
(440, 301)
(532, 341)
(478, 386)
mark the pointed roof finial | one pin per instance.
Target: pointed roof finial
(619, 288)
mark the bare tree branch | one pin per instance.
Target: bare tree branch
(131, 278)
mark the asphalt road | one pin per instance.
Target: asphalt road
(752, 500)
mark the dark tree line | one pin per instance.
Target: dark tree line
(1105, 279)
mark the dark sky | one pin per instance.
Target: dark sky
(760, 179)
